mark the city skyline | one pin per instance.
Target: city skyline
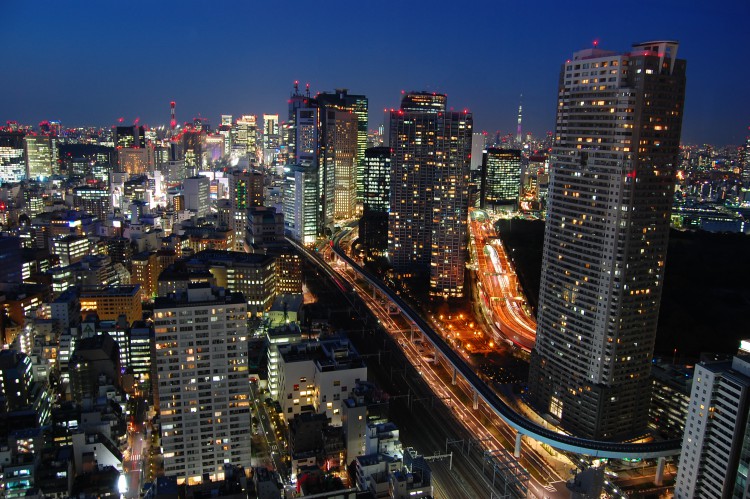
(216, 68)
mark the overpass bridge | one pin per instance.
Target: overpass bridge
(521, 424)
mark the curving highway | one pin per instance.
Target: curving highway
(594, 448)
(498, 285)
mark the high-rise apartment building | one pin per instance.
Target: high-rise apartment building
(429, 191)
(610, 195)
(501, 177)
(202, 382)
(716, 444)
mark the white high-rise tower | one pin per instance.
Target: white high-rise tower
(612, 171)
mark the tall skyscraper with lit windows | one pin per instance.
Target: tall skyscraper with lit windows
(427, 224)
(619, 118)
(342, 100)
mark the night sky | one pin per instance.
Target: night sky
(89, 63)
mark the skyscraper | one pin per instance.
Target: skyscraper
(716, 445)
(342, 100)
(611, 183)
(373, 225)
(501, 177)
(300, 203)
(429, 191)
(245, 191)
(339, 162)
(270, 138)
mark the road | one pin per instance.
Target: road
(454, 392)
(137, 452)
(267, 430)
(502, 302)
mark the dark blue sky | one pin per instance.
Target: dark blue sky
(92, 62)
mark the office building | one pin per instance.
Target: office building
(110, 302)
(41, 156)
(716, 444)
(95, 363)
(202, 382)
(16, 377)
(136, 161)
(129, 137)
(300, 203)
(192, 148)
(270, 138)
(12, 157)
(429, 205)
(195, 190)
(478, 146)
(244, 138)
(70, 249)
(145, 273)
(376, 199)
(377, 179)
(339, 162)
(245, 192)
(265, 228)
(500, 177)
(342, 100)
(610, 195)
(11, 258)
(288, 272)
(92, 200)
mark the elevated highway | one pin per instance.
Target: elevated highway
(524, 426)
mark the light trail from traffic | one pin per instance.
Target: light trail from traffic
(519, 422)
(498, 287)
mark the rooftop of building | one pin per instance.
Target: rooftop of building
(198, 294)
(329, 354)
(120, 290)
(231, 257)
(181, 272)
(373, 459)
(290, 302)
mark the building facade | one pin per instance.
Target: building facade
(716, 444)
(429, 198)
(501, 177)
(202, 382)
(611, 183)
